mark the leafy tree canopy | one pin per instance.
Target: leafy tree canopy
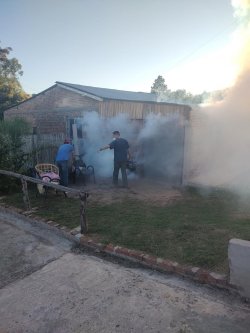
(11, 91)
(159, 86)
(164, 94)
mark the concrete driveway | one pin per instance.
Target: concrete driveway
(48, 288)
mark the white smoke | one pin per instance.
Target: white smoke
(156, 143)
(220, 134)
(97, 133)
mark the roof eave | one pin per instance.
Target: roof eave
(80, 92)
(144, 101)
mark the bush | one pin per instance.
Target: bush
(12, 156)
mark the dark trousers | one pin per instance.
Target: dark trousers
(117, 167)
(63, 172)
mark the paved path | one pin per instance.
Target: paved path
(25, 248)
(59, 291)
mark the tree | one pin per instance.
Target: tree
(11, 91)
(177, 96)
(159, 87)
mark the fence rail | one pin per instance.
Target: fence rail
(24, 179)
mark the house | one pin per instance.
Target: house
(54, 112)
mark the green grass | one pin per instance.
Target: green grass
(65, 211)
(194, 230)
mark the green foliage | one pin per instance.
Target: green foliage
(11, 91)
(12, 156)
(159, 87)
(164, 94)
(182, 96)
(15, 128)
(9, 67)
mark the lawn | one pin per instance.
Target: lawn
(194, 230)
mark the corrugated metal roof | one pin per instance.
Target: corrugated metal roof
(112, 93)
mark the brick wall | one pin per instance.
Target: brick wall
(49, 111)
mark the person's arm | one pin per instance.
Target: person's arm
(129, 155)
(128, 152)
(71, 155)
(72, 152)
(105, 147)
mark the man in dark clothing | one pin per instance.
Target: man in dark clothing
(121, 152)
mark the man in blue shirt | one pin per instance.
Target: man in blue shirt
(63, 157)
(121, 155)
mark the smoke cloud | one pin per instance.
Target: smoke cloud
(219, 146)
(156, 143)
(97, 132)
(162, 140)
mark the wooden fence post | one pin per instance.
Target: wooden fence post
(24, 179)
(83, 218)
(26, 199)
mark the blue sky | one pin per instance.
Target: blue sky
(120, 44)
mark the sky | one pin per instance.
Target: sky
(121, 44)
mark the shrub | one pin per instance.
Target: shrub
(12, 156)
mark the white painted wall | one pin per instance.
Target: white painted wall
(239, 264)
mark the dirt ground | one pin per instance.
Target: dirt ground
(151, 191)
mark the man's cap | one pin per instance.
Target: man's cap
(116, 133)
